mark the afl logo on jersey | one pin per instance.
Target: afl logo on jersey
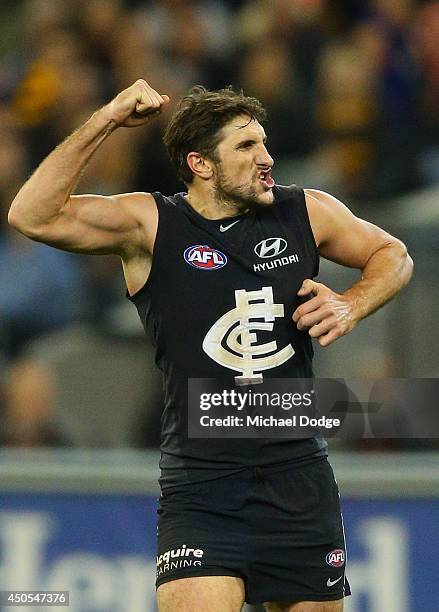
(204, 257)
(270, 247)
(335, 558)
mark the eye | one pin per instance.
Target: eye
(246, 145)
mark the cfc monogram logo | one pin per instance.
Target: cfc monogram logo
(237, 331)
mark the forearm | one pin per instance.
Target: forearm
(388, 270)
(47, 191)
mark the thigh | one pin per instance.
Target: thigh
(207, 593)
(299, 555)
(305, 606)
(199, 532)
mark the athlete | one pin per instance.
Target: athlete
(254, 520)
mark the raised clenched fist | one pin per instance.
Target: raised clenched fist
(135, 105)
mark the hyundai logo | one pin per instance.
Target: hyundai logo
(270, 247)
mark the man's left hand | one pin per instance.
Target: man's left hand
(327, 315)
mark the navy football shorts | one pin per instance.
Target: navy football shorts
(279, 528)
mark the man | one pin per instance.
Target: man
(255, 519)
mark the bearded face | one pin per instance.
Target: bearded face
(242, 175)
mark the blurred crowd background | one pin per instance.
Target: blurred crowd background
(352, 93)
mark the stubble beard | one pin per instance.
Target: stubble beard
(243, 197)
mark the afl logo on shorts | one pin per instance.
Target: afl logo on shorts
(204, 257)
(335, 558)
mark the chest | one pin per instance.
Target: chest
(205, 263)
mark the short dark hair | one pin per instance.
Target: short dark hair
(196, 124)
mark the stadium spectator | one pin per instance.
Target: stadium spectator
(28, 418)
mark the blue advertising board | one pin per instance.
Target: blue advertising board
(101, 548)
(393, 554)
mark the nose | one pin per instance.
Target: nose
(264, 158)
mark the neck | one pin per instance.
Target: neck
(208, 203)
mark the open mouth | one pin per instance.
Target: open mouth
(266, 178)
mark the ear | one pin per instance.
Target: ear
(199, 165)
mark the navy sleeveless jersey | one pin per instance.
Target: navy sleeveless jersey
(200, 269)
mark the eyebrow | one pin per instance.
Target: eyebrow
(249, 140)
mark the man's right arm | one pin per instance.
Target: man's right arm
(45, 210)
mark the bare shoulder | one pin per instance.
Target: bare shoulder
(340, 235)
(317, 194)
(322, 202)
(323, 210)
(137, 257)
(139, 204)
(142, 207)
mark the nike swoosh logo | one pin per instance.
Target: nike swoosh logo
(224, 228)
(331, 583)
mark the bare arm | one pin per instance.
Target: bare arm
(45, 210)
(343, 238)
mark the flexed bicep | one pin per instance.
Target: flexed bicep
(45, 210)
(95, 224)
